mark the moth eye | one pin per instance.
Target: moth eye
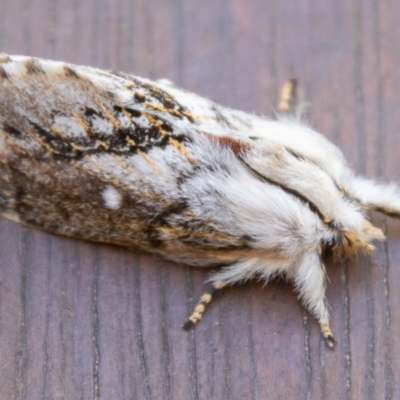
(112, 198)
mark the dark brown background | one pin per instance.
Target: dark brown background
(83, 321)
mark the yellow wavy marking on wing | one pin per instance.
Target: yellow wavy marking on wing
(41, 142)
(155, 124)
(150, 162)
(160, 108)
(104, 178)
(57, 132)
(179, 146)
(102, 144)
(130, 141)
(90, 160)
(12, 145)
(81, 122)
(110, 117)
(75, 146)
(123, 164)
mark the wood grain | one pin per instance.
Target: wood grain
(85, 321)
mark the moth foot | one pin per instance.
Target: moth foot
(327, 334)
(330, 341)
(188, 325)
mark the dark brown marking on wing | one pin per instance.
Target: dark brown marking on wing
(70, 72)
(139, 97)
(161, 96)
(156, 98)
(220, 117)
(123, 141)
(61, 147)
(33, 68)
(133, 112)
(12, 131)
(3, 74)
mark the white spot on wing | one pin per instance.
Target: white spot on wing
(112, 198)
(69, 126)
(100, 124)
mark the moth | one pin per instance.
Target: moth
(109, 157)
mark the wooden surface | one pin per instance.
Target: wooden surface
(83, 321)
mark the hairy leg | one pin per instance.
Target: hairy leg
(310, 283)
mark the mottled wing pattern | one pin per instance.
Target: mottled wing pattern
(109, 157)
(99, 155)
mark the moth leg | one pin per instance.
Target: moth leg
(310, 283)
(205, 298)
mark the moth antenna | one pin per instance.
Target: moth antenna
(289, 97)
(290, 103)
(205, 299)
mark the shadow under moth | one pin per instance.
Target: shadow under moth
(114, 158)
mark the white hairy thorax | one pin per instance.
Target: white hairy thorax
(113, 158)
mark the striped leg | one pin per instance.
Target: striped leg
(201, 305)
